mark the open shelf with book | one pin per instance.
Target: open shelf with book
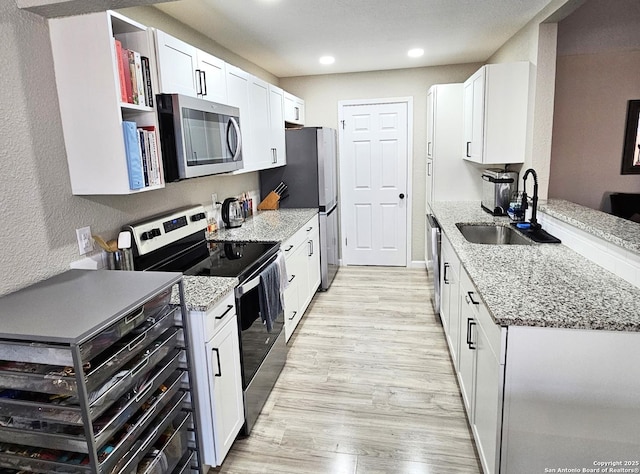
(106, 80)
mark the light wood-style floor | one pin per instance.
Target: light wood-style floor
(368, 387)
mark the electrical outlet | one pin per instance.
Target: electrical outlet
(85, 241)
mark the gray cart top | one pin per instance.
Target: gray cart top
(71, 307)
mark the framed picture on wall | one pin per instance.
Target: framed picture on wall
(631, 153)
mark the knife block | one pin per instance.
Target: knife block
(270, 203)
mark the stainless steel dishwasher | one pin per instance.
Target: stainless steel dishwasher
(434, 239)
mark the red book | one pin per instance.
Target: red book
(127, 76)
(123, 83)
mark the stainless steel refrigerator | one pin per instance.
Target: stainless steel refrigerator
(311, 174)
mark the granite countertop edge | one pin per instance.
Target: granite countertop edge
(541, 285)
(621, 232)
(204, 292)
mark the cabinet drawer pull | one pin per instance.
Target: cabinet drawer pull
(428, 148)
(429, 168)
(445, 277)
(229, 308)
(470, 293)
(468, 153)
(470, 323)
(199, 82)
(293, 315)
(288, 248)
(310, 248)
(310, 229)
(219, 374)
(132, 317)
(137, 341)
(292, 278)
(139, 367)
(203, 85)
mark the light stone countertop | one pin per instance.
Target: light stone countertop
(267, 226)
(547, 285)
(622, 232)
(204, 292)
(201, 293)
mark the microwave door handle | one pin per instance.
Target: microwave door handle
(236, 127)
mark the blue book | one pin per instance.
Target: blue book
(134, 158)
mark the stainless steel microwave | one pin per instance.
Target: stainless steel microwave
(198, 137)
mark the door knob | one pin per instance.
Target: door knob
(401, 196)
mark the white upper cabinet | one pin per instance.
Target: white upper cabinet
(90, 76)
(293, 109)
(238, 96)
(184, 69)
(276, 123)
(496, 114)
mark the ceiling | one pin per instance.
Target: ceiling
(287, 37)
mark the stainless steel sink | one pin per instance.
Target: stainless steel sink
(492, 234)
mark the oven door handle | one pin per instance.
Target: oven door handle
(255, 281)
(247, 287)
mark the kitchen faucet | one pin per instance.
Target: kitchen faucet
(533, 221)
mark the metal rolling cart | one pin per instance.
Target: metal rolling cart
(94, 376)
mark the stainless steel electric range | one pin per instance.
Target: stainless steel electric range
(176, 241)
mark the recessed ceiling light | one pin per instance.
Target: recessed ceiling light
(327, 60)
(415, 52)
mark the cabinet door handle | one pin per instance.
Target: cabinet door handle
(429, 168)
(293, 277)
(445, 277)
(219, 374)
(229, 308)
(293, 315)
(199, 82)
(203, 85)
(468, 152)
(470, 293)
(428, 148)
(310, 248)
(470, 324)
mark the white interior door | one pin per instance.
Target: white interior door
(373, 161)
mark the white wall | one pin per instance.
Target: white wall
(598, 73)
(536, 42)
(39, 213)
(322, 93)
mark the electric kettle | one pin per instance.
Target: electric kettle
(232, 213)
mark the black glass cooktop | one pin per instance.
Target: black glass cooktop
(233, 259)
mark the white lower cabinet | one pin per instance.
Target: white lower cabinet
(476, 345)
(481, 373)
(449, 302)
(220, 405)
(302, 257)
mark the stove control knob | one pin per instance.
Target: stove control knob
(198, 217)
(150, 234)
